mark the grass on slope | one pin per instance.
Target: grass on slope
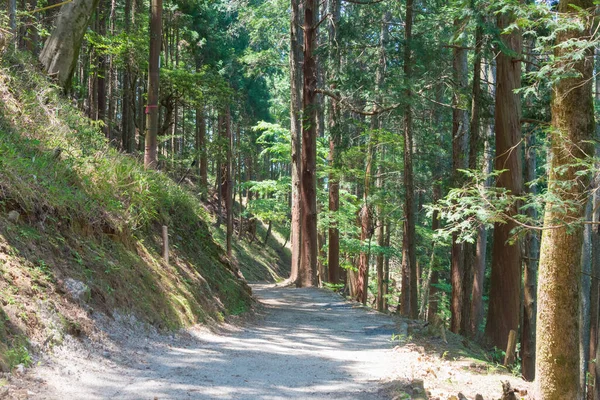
(91, 214)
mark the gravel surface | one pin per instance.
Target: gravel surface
(308, 343)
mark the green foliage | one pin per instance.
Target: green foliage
(100, 210)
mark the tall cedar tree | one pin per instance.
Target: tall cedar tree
(151, 143)
(296, 134)
(409, 301)
(505, 292)
(307, 273)
(572, 106)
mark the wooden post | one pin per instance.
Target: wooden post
(165, 237)
(510, 348)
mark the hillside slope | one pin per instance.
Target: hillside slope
(80, 229)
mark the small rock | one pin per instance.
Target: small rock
(106, 354)
(20, 369)
(462, 396)
(77, 289)
(13, 216)
(478, 397)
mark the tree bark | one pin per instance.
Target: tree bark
(307, 273)
(128, 139)
(296, 134)
(557, 353)
(151, 143)
(409, 252)
(471, 249)
(376, 124)
(333, 259)
(12, 18)
(584, 300)
(362, 283)
(229, 179)
(460, 140)
(505, 293)
(594, 367)
(61, 49)
(482, 236)
(530, 259)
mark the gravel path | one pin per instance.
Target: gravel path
(309, 344)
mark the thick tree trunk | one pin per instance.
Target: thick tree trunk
(505, 292)
(296, 133)
(307, 273)
(409, 253)
(557, 353)
(61, 50)
(151, 143)
(333, 259)
(460, 140)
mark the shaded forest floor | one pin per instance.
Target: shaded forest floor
(302, 343)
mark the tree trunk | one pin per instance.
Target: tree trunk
(201, 148)
(584, 300)
(530, 259)
(151, 143)
(128, 103)
(61, 50)
(307, 273)
(376, 124)
(557, 353)
(386, 264)
(429, 295)
(362, 283)
(505, 293)
(12, 18)
(460, 140)
(471, 249)
(103, 9)
(482, 236)
(594, 367)
(229, 187)
(296, 134)
(333, 259)
(409, 252)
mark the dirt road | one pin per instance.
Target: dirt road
(309, 344)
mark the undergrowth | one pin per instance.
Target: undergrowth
(72, 207)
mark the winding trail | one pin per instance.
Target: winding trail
(309, 344)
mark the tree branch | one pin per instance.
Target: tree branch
(364, 3)
(339, 99)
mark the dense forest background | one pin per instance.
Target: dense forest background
(431, 158)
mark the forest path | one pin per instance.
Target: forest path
(309, 343)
